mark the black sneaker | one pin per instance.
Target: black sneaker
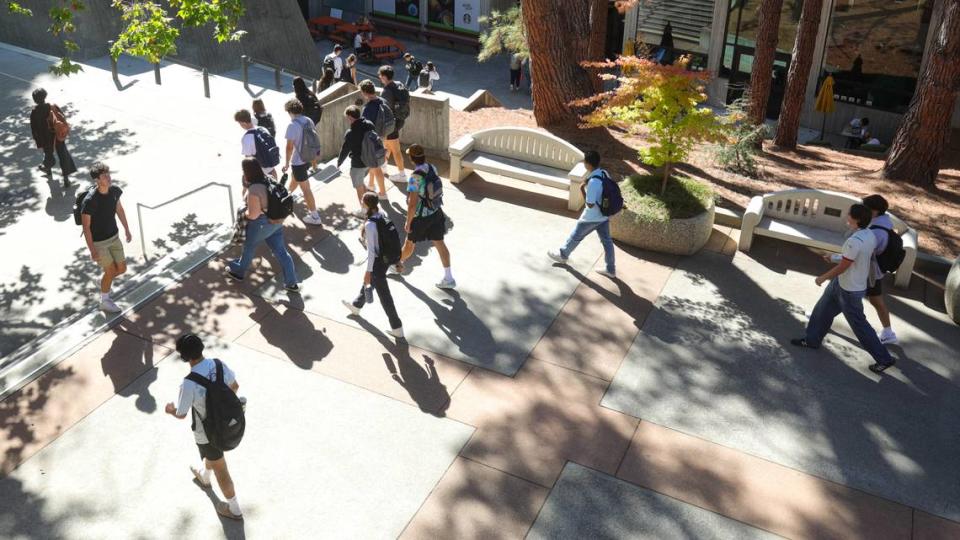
(802, 342)
(233, 276)
(292, 288)
(880, 368)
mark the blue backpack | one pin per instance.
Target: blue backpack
(268, 153)
(611, 200)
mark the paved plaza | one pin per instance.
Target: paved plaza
(536, 400)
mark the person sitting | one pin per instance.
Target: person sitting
(361, 45)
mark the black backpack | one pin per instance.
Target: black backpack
(225, 421)
(892, 256)
(611, 200)
(389, 240)
(416, 67)
(279, 200)
(268, 153)
(401, 102)
(78, 204)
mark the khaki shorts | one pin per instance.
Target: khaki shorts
(110, 252)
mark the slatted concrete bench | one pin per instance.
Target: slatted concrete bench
(817, 219)
(523, 154)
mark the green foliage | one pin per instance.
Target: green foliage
(683, 197)
(223, 14)
(14, 8)
(663, 101)
(505, 32)
(61, 24)
(65, 67)
(148, 33)
(737, 152)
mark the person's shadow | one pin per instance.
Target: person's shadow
(61, 199)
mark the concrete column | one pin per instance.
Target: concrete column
(424, 6)
(818, 51)
(630, 25)
(718, 33)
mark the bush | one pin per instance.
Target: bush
(737, 152)
(683, 198)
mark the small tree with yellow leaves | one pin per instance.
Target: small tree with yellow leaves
(663, 101)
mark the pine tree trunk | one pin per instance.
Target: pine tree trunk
(799, 74)
(925, 129)
(559, 35)
(598, 39)
(761, 76)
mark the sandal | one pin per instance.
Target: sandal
(224, 510)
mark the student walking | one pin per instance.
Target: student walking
(258, 143)
(414, 67)
(261, 229)
(311, 105)
(398, 99)
(326, 80)
(334, 61)
(299, 138)
(49, 128)
(208, 379)
(882, 227)
(425, 218)
(428, 77)
(264, 119)
(350, 70)
(516, 65)
(849, 281)
(376, 110)
(592, 219)
(383, 247)
(353, 141)
(98, 212)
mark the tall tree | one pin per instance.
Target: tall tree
(799, 74)
(598, 37)
(925, 129)
(559, 35)
(761, 76)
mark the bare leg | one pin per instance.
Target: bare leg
(882, 312)
(378, 175)
(223, 476)
(107, 280)
(393, 149)
(308, 196)
(443, 252)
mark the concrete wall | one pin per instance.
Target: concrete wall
(276, 33)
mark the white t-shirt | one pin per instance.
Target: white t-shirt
(594, 195)
(859, 249)
(295, 133)
(248, 146)
(357, 41)
(194, 396)
(337, 64)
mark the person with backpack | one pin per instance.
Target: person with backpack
(334, 61)
(98, 209)
(413, 67)
(49, 127)
(596, 215)
(311, 105)
(887, 257)
(361, 134)
(398, 99)
(258, 143)
(303, 147)
(425, 218)
(376, 110)
(849, 281)
(263, 195)
(209, 395)
(263, 118)
(383, 249)
(427, 78)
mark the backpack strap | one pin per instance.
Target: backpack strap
(199, 379)
(219, 370)
(882, 228)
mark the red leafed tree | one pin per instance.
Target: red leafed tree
(799, 74)
(768, 14)
(925, 129)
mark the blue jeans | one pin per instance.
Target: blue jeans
(258, 231)
(835, 301)
(581, 231)
(411, 83)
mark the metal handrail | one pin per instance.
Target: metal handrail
(246, 61)
(140, 206)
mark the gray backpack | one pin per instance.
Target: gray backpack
(309, 147)
(385, 122)
(372, 153)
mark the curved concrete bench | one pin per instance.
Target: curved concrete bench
(521, 153)
(815, 218)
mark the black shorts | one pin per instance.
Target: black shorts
(397, 126)
(301, 173)
(209, 452)
(432, 227)
(876, 290)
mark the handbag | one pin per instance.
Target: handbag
(58, 123)
(240, 227)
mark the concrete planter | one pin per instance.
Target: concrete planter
(951, 295)
(678, 236)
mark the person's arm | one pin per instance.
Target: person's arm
(185, 401)
(88, 236)
(248, 147)
(840, 268)
(123, 220)
(288, 155)
(373, 244)
(413, 197)
(344, 149)
(254, 209)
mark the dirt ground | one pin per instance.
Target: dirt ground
(935, 214)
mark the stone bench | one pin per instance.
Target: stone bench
(816, 219)
(523, 154)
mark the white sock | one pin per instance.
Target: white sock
(204, 471)
(887, 329)
(234, 505)
(447, 274)
(104, 296)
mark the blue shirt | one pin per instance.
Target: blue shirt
(594, 195)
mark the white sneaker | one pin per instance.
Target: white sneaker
(447, 284)
(354, 310)
(396, 332)
(109, 306)
(888, 337)
(603, 272)
(311, 219)
(557, 257)
(397, 177)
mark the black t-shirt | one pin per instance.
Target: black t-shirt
(102, 210)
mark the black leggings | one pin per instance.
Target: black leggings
(515, 77)
(67, 167)
(378, 279)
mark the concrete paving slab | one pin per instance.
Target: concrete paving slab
(509, 291)
(320, 459)
(589, 504)
(713, 360)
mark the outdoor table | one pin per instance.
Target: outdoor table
(348, 28)
(318, 24)
(378, 43)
